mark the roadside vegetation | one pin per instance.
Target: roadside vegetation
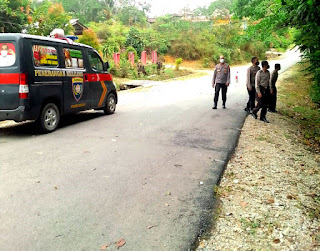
(295, 103)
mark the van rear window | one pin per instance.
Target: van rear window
(7, 54)
(45, 56)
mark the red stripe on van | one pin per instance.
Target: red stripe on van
(9, 78)
(105, 77)
(97, 77)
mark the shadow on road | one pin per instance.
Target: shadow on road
(28, 129)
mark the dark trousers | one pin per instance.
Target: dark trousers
(252, 99)
(262, 104)
(273, 100)
(224, 89)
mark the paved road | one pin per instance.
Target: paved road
(145, 174)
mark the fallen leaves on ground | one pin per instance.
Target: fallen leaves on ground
(243, 203)
(270, 201)
(104, 247)
(120, 243)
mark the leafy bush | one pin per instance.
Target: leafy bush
(178, 63)
(186, 47)
(151, 69)
(134, 40)
(109, 47)
(89, 37)
(313, 56)
(206, 63)
(124, 70)
(103, 32)
(131, 49)
(133, 72)
(315, 93)
(250, 49)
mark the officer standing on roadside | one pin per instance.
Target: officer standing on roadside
(263, 89)
(273, 98)
(221, 80)
(251, 78)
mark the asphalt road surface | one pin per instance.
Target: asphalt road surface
(145, 174)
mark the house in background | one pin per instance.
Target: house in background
(78, 27)
(151, 20)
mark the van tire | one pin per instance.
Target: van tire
(49, 118)
(111, 104)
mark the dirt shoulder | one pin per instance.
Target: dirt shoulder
(269, 197)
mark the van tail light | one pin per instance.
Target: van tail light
(23, 86)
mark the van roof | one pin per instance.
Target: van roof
(21, 35)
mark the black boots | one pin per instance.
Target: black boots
(264, 120)
(215, 106)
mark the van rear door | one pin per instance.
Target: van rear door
(9, 75)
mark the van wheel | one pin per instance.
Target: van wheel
(49, 118)
(111, 104)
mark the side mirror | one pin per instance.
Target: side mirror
(106, 66)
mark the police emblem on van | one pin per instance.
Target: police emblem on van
(77, 88)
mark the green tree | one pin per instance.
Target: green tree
(145, 7)
(135, 40)
(89, 10)
(13, 15)
(131, 15)
(47, 17)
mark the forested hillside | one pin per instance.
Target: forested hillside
(237, 29)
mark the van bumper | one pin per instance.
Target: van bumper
(16, 115)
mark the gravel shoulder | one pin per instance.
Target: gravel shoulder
(269, 197)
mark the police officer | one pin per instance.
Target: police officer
(221, 80)
(263, 89)
(273, 98)
(251, 78)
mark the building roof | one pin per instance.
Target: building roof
(76, 21)
(151, 20)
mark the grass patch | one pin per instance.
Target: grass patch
(261, 138)
(169, 74)
(250, 226)
(198, 74)
(295, 102)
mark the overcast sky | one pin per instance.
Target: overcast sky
(173, 6)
